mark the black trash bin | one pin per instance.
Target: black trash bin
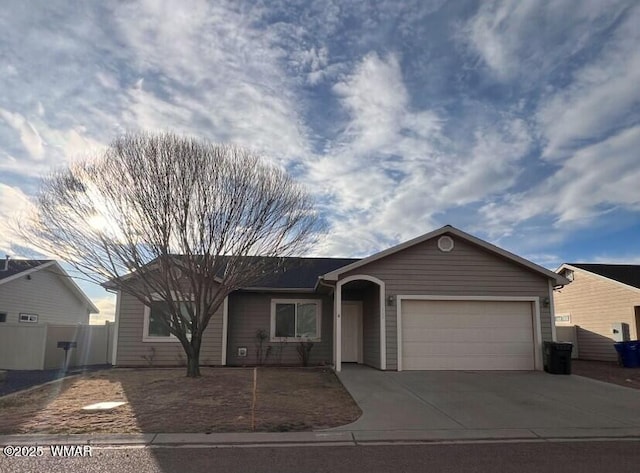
(557, 357)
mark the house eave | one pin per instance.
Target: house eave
(302, 290)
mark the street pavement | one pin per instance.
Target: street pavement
(523, 457)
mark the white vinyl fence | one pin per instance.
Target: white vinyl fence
(568, 333)
(35, 347)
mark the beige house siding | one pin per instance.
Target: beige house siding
(44, 294)
(132, 350)
(466, 270)
(594, 304)
(250, 312)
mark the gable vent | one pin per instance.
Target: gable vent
(445, 243)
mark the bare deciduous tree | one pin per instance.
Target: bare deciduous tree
(168, 218)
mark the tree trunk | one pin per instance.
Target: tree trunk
(193, 365)
(193, 357)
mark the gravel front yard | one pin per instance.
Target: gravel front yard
(607, 371)
(164, 400)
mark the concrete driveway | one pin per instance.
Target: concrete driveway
(488, 404)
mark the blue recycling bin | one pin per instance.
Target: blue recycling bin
(628, 353)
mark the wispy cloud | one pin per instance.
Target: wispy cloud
(29, 136)
(617, 259)
(516, 120)
(13, 203)
(531, 40)
(602, 97)
(384, 145)
(595, 180)
(107, 307)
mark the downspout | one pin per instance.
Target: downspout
(322, 283)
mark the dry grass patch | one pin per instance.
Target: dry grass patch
(164, 400)
(290, 399)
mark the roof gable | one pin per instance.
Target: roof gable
(627, 275)
(20, 268)
(448, 229)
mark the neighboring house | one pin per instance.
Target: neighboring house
(41, 305)
(599, 296)
(443, 301)
(40, 291)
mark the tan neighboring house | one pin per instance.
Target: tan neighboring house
(443, 301)
(599, 298)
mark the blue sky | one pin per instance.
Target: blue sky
(517, 121)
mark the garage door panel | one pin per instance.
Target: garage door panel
(416, 307)
(464, 349)
(458, 335)
(469, 335)
(471, 321)
(470, 363)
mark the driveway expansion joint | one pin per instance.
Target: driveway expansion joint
(416, 395)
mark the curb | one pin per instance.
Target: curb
(346, 438)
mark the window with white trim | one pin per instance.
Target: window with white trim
(293, 320)
(154, 329)
(28, 318)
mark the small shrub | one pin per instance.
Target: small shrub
(267, 353)
(279, 348)
(149, 358)
(261, 337)
(304, 351)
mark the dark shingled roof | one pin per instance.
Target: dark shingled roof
(301, 273)
(286, 272)
(17, 266)
(628, 274)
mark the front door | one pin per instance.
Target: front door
(351, 332)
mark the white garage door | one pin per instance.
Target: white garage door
(467, 335)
